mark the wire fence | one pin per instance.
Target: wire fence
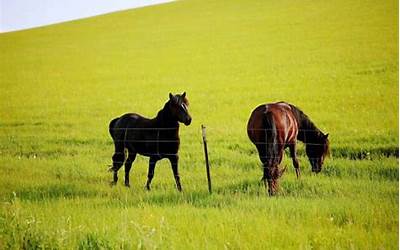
(177, 128)
(155, 138)
(161, 138)
(146, 129)
(155, 141)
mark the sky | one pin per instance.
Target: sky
(24, 14)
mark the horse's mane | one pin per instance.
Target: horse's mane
(308, 132)
(164, 116)
(306, 126)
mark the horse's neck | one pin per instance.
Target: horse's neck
(308, 132)
(165, 120)
(309, 136)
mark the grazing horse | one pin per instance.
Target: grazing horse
(156, 138)
(275, 126)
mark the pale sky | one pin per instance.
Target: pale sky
(24, 14)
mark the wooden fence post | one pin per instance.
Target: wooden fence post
(203, 129)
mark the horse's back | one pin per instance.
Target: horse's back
(272, 116)
(119, 125)
(144, 136)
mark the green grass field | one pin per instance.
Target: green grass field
(61, 85)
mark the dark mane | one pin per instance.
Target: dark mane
(307, 129)
(164, 117)
(308, 132)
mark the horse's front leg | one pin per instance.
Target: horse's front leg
(292, 149)
(150, 175)
(174, 164)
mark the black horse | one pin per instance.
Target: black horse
(156, 138)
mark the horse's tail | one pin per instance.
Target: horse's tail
(271, 141)
(111, 127)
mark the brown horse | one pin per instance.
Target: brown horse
(275, 126)
(156, 138)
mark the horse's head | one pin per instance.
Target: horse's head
(317, 151)
(179, 107)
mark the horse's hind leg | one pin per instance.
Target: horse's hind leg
(118, 160)
(292, 149)
(271, 178)
(128, 165)
(269, 182)
(263, 158)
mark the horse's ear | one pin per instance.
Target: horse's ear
(184, 94)
(171, 96)
(326, 136)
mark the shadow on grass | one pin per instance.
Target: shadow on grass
(199, 199)
(368, 173)
(222, 196)
(303, 188)
(230, 194)
(368, 153)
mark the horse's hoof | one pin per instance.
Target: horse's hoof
(271, 193)
(298, 173)
(113, 183)
(127, 185)
(148, 188)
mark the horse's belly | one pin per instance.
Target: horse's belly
(156, 148)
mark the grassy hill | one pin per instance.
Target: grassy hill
(60, 86)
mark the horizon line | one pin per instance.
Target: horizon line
(22, 22)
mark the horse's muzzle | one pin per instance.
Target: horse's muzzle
(188, 121)
(316, 170)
